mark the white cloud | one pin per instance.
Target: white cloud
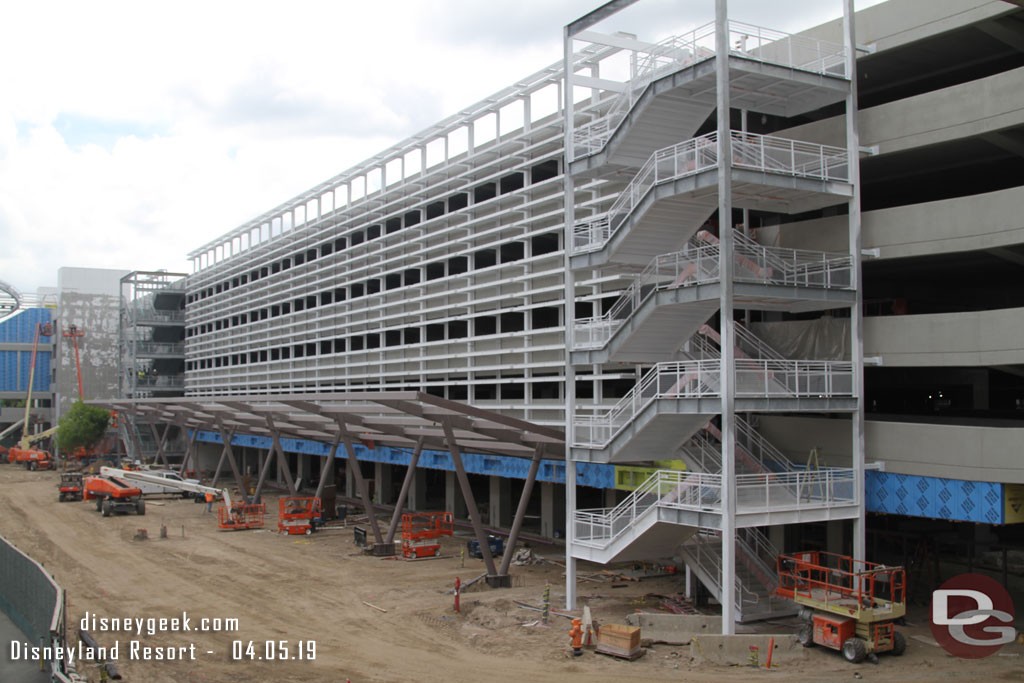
(131, 133)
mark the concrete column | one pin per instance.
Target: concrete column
(547, 509)
(500, 502)
(303, 469)
(610, 498)
(350, 481)
(417, 500)
(382, 478)
(777, 537)
(453, 500)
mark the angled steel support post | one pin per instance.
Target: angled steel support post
(263, 473)
(467, 495)
(403, 494)
(160, 455)
(327, 471)
(226, 439)
(364, 490)
(524, 501)
(280, 456)
(227, 436)
(190, 450)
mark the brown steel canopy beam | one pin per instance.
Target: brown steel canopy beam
(364, 491)
(467, 494)
(406, 483)
(524, 502)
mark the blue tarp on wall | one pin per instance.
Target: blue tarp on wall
(587, 474)
(934, 497)
(14, 365)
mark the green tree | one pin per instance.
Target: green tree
(82, 426)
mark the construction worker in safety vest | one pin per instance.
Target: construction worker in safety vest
(209, 502)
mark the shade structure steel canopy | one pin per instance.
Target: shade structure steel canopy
(400, 419)
(408, 419)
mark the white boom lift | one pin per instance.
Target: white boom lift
(147, 478)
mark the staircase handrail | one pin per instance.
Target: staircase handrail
(765, 153)
(674, 53)
(664, 488)
(649, 389)
(696, 264)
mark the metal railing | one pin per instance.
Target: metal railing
(705, 550)
(598, 528)
(701, 378)
(703, 453)
(162, 348)
(694, 265)
(764, 153)
(699, 263)
(760, 449)
(757, 378)
(678, 52)
(795, 490)
(675, 379)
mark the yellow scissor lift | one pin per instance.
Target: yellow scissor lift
(852, 604)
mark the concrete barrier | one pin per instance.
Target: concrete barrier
(735, 650)
(674, 629)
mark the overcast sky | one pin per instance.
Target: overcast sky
(134, 132)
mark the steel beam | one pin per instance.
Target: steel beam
(364, 490)
(403, 494)
(728, 325)
(856, 256)
(467, 495)
(524, 502)
(327, 471)
(276, 436)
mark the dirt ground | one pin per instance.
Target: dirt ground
(294, 589)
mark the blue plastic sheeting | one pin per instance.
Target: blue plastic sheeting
(14, 365)
(587, 474)
(14, 371)
(952, 499)
(20, 328)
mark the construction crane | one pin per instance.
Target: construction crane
(231, 515)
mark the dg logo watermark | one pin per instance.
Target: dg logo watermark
(972, 616)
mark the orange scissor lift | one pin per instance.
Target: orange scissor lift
(852, 604)
(241, 516)
(298, 515)
(421, 532)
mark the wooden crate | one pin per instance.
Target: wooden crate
(618, 640)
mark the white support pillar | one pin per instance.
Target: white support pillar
(499, 503)
(417, 501)
(569, 313)
(728, 331)
(857, 311)
(453, 500)
(547, 509)
(382, 482)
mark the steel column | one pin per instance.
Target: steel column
(857, 310)
(327, 470)
(280, 456)
(467, 495)
(406, 483)
(524, 501)
(364, 491)
(227, 436)
(728, 331)
(569, 307)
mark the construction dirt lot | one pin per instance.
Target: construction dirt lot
(372, 619)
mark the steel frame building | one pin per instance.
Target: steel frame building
(685, 196)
